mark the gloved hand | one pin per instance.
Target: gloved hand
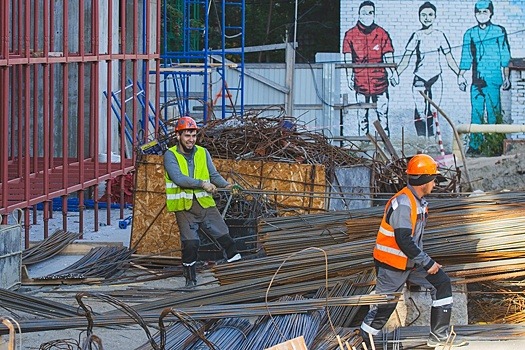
(209, 187)
(234, 188)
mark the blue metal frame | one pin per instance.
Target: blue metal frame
(199, 9)
(146, 107)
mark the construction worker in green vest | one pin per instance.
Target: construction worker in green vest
(191, 180)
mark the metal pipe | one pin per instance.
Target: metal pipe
(497, 128)
(456, 136)
(4, 109)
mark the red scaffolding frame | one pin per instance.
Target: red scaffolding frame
(52, 125)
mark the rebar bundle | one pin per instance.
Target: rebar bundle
(103, 262)
(269, 330)
(344, 316)
(41, 307)
(49, 247)
(178, 336)
(227, 333)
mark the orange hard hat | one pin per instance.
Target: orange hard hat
(422, 164)
(186, 123)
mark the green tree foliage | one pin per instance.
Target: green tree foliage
(172, 21)
(171, 26)
(492, 144)
(266, 22)
(270, 21)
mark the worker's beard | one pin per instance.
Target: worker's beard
(186, 149)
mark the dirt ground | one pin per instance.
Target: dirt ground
(506, 172)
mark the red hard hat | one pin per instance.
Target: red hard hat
(422, 164)
(186, 123)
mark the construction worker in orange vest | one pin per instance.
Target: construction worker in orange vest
(399, 256)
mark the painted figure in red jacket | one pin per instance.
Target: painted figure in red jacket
(367, 43)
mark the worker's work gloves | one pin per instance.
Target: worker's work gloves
(234, 188)
(209, 187)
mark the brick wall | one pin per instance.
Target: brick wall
(400, 19)
(518, 100)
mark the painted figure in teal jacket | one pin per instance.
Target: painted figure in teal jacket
(486, 52)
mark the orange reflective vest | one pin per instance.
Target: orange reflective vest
(386, 249)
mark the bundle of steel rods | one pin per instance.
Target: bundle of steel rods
(326, 338)
(102, 262)
(178, 335)
(49, 247)
(344, 316)
(272, 330)
(204, 312)
(415, 334)
(16, 301)
(310, 264)
(309, 230)
(463, 234)
(228, 333)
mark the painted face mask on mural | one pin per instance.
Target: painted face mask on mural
(483, 16)
(366, 15)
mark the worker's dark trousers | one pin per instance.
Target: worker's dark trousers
(228, 244)
(190, 249)
(207, 219)
(392, 281)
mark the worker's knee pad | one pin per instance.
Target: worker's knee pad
(190, 250)
(441, 282)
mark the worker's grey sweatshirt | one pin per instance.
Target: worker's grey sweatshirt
(172, 168)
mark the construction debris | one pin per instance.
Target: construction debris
(286, 140)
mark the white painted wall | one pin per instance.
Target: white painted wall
(400, 19)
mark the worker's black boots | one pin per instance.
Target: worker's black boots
(229, 247)
(190, 272)
(439, 334)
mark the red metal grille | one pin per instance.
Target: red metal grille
(57, 58)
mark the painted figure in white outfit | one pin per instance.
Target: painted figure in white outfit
(429, 45)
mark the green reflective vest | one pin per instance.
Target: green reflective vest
(179, 199)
